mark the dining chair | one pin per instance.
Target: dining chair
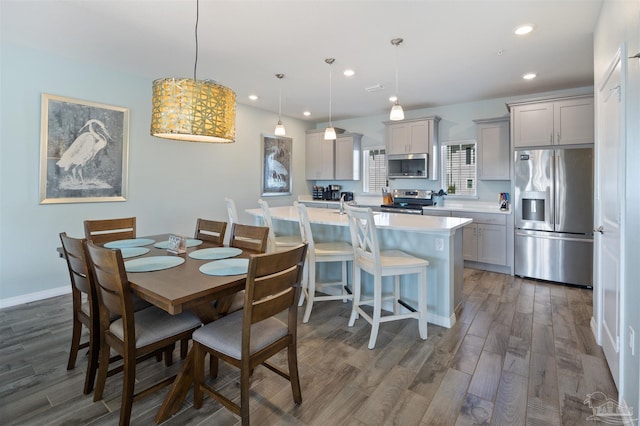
(322, 252)
(85, 307)
(248, 338)
(382, 263)
(134, 334)
(107, 230)
(232, 217)
(276, 242)
(211, 231)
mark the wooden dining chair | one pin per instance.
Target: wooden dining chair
(134, 334)
(107, 230)
(369, 258)
(85, 307)
(276, 242)
(211, 231)
(322, 252)
(249, 237)
(248, 338)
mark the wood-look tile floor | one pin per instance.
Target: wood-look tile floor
(522, 352)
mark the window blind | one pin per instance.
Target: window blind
(460, 168)
(375, 169)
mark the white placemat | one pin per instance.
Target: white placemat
(152, 263)
(215, 253)
(128, 252)
(226, 267)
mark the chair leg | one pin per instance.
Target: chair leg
(168, 355)
(75, 343)
(245, 375)
(103, 369)
(344, 281)
(293, 373)
(92, 367)
(128, 384)
(311, 291)
(356, 296)
(396, 294)
(422, 304)
(304, 284)
(377, 311)
(198, 374)
(184, 348)
(213, 366)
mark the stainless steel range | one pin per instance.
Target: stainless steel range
(409, 201)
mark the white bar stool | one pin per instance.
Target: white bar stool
(276, 242)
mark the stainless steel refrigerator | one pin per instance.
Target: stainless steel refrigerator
(554, 215)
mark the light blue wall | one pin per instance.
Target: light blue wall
(170, 183)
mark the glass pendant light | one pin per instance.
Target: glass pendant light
(280, 131)
(397, 113)
(330, 132)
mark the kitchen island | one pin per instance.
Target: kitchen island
(437, 239)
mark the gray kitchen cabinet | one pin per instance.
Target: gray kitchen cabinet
(484, 240)
(559, 121)
(414, 136)
(494, 151)
(337, 159)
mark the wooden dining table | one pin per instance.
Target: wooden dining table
(181, 288)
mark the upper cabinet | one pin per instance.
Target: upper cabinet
(561, 121)
(494, 151)
(414, 136)
(337, 159)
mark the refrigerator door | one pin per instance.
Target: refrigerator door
(534, 191)
(574, 190)
(551, 256)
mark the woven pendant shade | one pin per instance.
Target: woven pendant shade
(193, 110)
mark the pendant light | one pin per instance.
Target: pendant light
(330, 132)
(397, 113)
(280, 131)
(193, 110)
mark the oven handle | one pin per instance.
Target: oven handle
(402, 211)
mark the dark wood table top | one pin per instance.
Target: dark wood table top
(183, 286)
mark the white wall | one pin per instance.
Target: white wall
(619, 22)
(170, 183)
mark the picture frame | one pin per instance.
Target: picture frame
(84, 150)
(276, 165)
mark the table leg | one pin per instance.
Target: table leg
(178, 390)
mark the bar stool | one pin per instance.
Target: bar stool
(370, 259)
(337, 251)
(232, 216)
(276, 242)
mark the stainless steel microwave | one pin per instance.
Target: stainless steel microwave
(408, 166)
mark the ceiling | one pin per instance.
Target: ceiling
(453, 51)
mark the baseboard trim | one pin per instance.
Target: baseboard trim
(594, 330)
(34, 297)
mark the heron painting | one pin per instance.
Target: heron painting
(276, 167)
(84, 151)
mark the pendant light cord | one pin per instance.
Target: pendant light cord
(396, 73)
(195, 65)
(330, 124)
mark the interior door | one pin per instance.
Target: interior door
(610, 194)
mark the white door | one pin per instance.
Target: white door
(610, 195)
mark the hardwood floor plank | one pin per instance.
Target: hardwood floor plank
(467, 356)
(542, 313)
(517, 358)
(542, 339)
(543, 380)
(446, 404)
(522, 326)
(498, 338)
(511, 401)
(487, 376)
(480, 325)
(542, 413)
(474, 411)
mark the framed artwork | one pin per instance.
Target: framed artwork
(276, 165)
(84, 148)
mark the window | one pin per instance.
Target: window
(459, 175)
(374, 165)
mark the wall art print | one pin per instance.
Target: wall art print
(84, 151)
(276, 165)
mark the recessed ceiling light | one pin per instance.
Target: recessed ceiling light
(523, 29)
(306, 113)
(392, 98)
(529, 76)
(349, 73)
(253, 97)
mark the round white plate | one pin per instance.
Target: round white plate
(215, 253)
(226, 267)
(152, 263)
(191, 242)
(128, 252)
(133, 242)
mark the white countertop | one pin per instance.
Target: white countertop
(395, 221)
(449, 205)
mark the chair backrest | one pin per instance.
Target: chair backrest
(266, 215)
(273, 285)
(79, 271)
(210, 230)
(112, 287)
(364, 237)
(305, 228)
(106, 230)
(249, 237)
(232, 217)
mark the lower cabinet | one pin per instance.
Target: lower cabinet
(485, 240)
